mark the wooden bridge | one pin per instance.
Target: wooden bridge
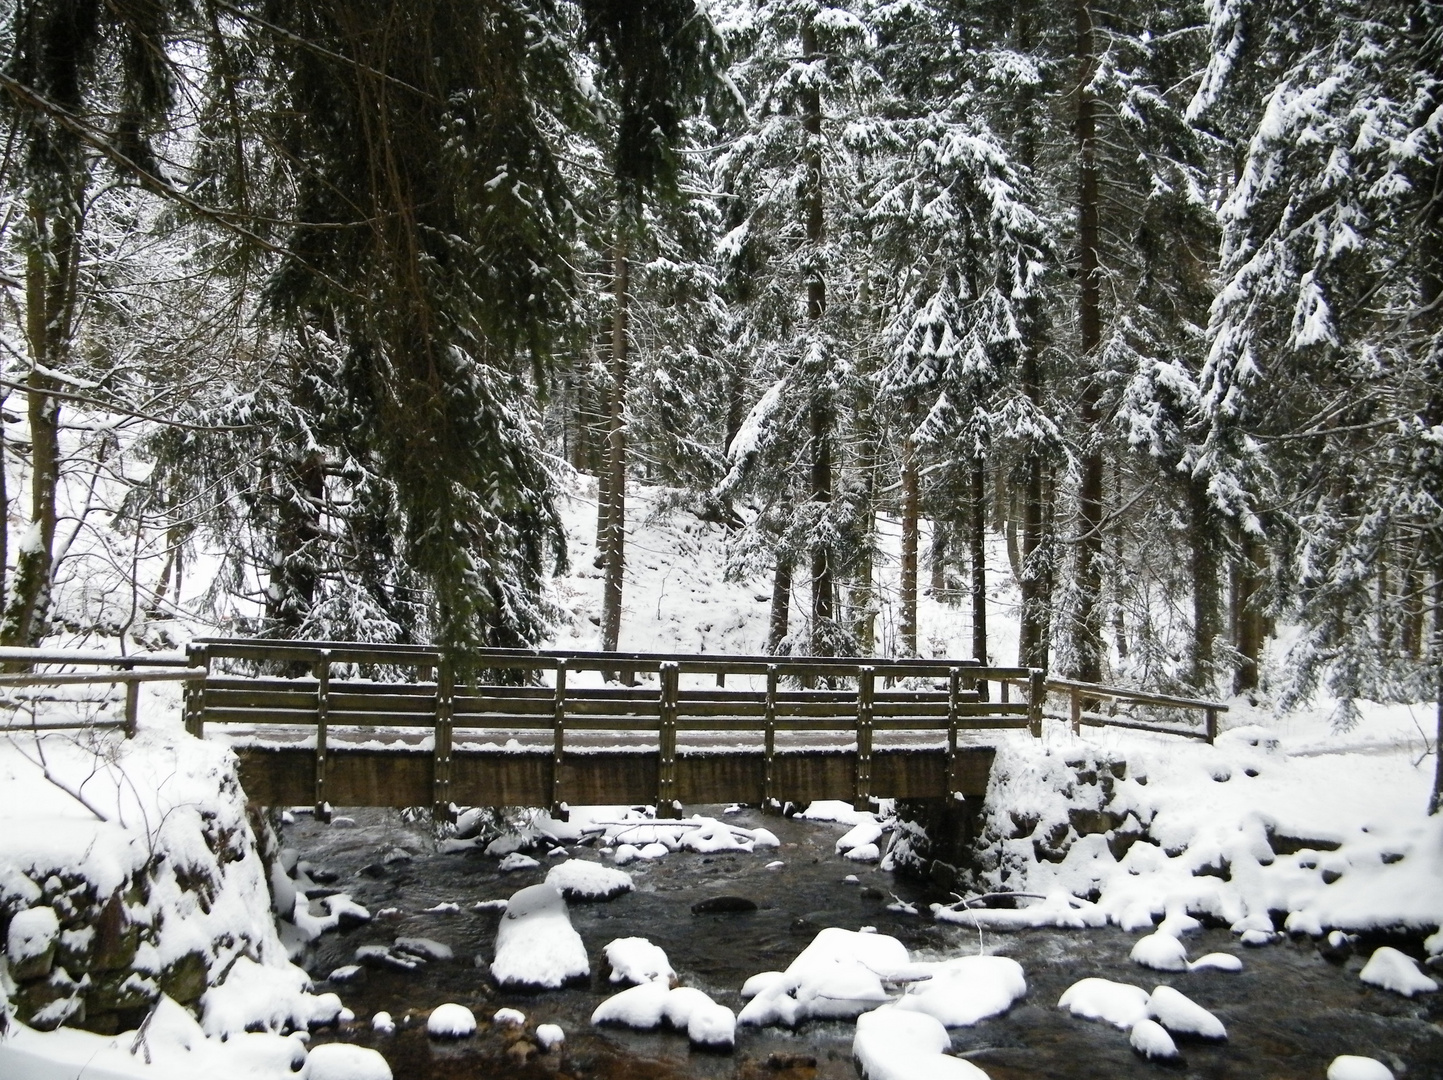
(391, 725)
(387, 725)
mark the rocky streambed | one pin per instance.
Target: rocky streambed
(1288, 1012)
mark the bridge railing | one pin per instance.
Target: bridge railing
(25, 668)
(813, 695)
(1085, 703)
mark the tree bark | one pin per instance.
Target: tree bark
(1435, 801)
(823, 609)
(938, 559)
(1087, 629)
(50, 290)
(781, 610)
(1203, 565)
(908, 618)
(978, 540)
(1249, 633)
(615, 534)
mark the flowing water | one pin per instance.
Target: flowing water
(1288, 1013)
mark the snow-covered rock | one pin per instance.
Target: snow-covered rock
(1119, 1004)
(1181, 1015)
(637, 960)
(342, 1061)
(423, 947)
(536, 945)
(1392, 970)
(517, 861)
(895, 1044)
(33, 932)
(1161, 952)
(451, 1021)
(383, 1024)
(835, 977)
(712, 1026)
(1351, 1067)
(550, 1036)
(966, 990)
(641, 1007)
(759, 982)
(577, 879)
(1216, 961)
(863, 833)
(1151, 1040)
(509, 1018)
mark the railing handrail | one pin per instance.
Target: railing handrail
(1142, 697)
(132, 670)
(592, 659)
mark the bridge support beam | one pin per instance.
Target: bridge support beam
(442, 805)
(866, 696)
(667, 805)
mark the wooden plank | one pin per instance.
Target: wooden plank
(558, 740)
(196, 656)
(423, 702)
(862, 791)
(20, 655)
(101, 678)
(323, 710)
(667, 804)
(1141, 697)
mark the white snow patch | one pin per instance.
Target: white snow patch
(1392, 970)
(517, 861)
(535, 942)
(835, 977)
(1181, 1015)
(893, 1044)
(637, 960)
(1351, 1067)
(1161, 952)
(550, 1036)
(1120, 1004)
(342, 1061)
(966, 990)
(577, 879)
(451, 1021)
(1151, 1040)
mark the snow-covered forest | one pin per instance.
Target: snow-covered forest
(328, 300)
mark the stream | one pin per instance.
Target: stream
(1288, 1012)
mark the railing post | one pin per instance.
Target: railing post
(196, 656)
(441, 807)
(1075, 700)
(954, 688)
(1036, 695)
(132, 703)
(769, 776)
(558, 739)
(866, 685)
(323, 716)
(1212, 725)
(666, 805)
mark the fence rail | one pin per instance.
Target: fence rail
(1084, 697)
(128, 670)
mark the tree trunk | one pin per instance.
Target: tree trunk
(50, 289)
(1203, 565)
(1087, 629)
(823, 611)
(978, 540)
(1435, 801)
(294, 576)
(937, 557)
(1249, 634)
(908, 617)
(615, 535)
(781, 604)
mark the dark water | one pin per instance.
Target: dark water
(1288, 1013)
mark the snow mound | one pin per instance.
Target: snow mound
(1151, 1040)
(517, 861)
(273, 998)
(637, 960)
(451, 1021)
(578, 879)
(641, 1007)
(712, 1026)
(836, 810)
(862, 834)
(1216, 961)
(864, 853)
(383, 1024)
(1059, 908)
(1181, 1015)
(1161, 952)
(509, 1017)
(1392, 970)
(33, 932)
(536, 945)
(550, 1036)
(1350, 1067)
(342, 1061)
(967, 990)
(894, 1044)
(1120, 1004)
(835, 977)
(759, 982)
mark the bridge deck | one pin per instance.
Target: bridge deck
(308, 728)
